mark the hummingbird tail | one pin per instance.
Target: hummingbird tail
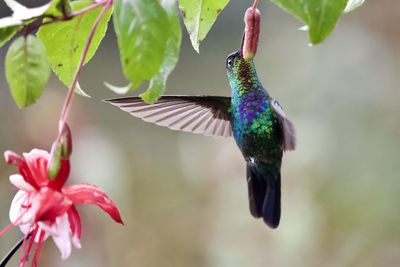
(272, 205)
(264, 186)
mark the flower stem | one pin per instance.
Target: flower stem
(12, 251)
(255, 3)
(67, 102)
(33, 26)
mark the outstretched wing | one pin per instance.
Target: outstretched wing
(288, 132)
(208, 115)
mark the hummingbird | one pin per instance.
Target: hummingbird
(251, 116)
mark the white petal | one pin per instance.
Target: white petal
(25, 228)
(16, 205)
(19, 181)
(21, 199)
(21, 202)
(62, 236)
(76, 241)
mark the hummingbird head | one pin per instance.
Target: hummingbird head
(241, 73)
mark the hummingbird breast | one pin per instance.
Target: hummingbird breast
(255, 127)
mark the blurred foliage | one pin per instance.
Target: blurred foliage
(184, 197)
(320, 16)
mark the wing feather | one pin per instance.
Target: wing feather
(196, 118)
(208, 115)
(288, 132)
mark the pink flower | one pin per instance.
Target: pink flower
(46, 207)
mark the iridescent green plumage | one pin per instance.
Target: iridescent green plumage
(251, 116)
(258, 133)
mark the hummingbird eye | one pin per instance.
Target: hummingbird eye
(229, 62)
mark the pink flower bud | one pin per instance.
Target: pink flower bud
(251, 33)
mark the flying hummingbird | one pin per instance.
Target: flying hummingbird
(255, 120)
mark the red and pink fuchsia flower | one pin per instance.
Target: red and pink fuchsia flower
(45, 207)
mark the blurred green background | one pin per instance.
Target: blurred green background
(183, 197)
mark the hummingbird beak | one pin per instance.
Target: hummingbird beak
(241, 46)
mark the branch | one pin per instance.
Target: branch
(12, 251)
(33, 26)
(78, 13)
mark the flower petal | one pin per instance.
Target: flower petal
(15, 209)
(76, 226)
(15, 159)
(18, 181)
(20, 205)
(91, 194)
(60, 232)
(37, 164)
(49, 204)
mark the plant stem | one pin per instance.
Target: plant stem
(31, 27)
(67, 103)
(12, 251)
(255, 3)
(77, 13)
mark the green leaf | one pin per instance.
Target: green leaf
(57, 8)
(8, 27)
(23, 15)
(66, 40)
(142, 29)
(27, 69)
(171, 55)
(320, 15)
(7, 33)
(199, 16)
(353, 4)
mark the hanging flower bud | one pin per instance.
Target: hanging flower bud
(251, 33)
(66, 143)
(60, 150)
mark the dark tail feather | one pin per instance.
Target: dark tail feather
(272, 205)
(264, 194)
(257, 188)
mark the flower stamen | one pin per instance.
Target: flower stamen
(11, 225)
(28, 249)
(38, 248)
(24, 242)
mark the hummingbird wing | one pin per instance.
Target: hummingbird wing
(288, 132)
(208, 115)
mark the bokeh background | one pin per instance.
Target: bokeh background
(183, 197)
